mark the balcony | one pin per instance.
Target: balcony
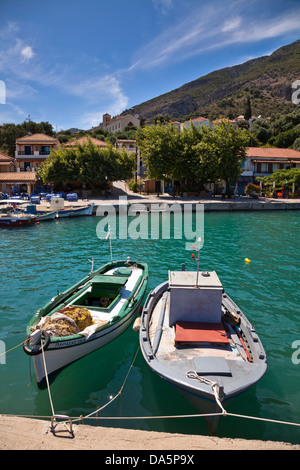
(36, 154)
(22, 152)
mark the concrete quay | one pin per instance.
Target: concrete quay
(210, 205)
(20, 433)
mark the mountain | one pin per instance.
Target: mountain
(267, 81)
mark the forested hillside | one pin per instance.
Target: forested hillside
(267, 81)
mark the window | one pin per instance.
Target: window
(45, 150)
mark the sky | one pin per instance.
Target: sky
(69, 62)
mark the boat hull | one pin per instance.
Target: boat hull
(76, 212)
(174, 363)
(40, 217)
(16, 221)
(59, 355)
(125, 292)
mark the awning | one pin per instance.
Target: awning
(13, 177)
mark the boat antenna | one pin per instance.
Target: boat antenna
(109, 236)
(198, 260)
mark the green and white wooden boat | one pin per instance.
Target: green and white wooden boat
(111, 295)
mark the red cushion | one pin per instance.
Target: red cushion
(194, 332)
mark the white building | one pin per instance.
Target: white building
(119, 123)
(32, 150)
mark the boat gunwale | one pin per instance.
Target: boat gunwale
(231, 389)
(59, 301)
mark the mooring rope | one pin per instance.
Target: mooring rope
(192, 374)
(47, 381)
(90, 416)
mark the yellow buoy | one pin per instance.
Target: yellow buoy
(247, 260)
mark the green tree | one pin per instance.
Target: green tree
(198, 154)
(248, 111)
(285, 139)
(160, 149)
(261, 130)
(87, 163)
(282, 178)
(230, 151)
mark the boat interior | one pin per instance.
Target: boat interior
(106, 294)
(191, 326)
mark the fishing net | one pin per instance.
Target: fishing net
(66, 321)
(80, 315)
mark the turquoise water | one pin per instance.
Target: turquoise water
(36, 261)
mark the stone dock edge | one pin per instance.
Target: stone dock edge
(19, 433)
(209, 206)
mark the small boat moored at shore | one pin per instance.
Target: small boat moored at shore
(47, 215)
(76, 211)
(85, 317)
(10, 217)
(58, 204)
(197, 339)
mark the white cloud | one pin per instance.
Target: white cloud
(27, 53)
(102, 89)
(162, 5)
(268, 28)
(231, 24)
(98, 92)
(205, 29)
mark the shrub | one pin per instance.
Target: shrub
(252, 187)
(134, 186)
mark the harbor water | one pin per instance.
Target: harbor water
(39, 260)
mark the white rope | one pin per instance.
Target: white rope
(46, 375)
(192, 374)
(162, 417)
(224, 413)
(113, 398)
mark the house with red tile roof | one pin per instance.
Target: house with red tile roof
(261, 161)
(84, 140)
(32, 150)
(7, 163)
(20, 171)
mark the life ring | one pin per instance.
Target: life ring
(38, 350)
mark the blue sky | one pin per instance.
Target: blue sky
(70, 61)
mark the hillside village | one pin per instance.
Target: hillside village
(254, 96)
(19, 172)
